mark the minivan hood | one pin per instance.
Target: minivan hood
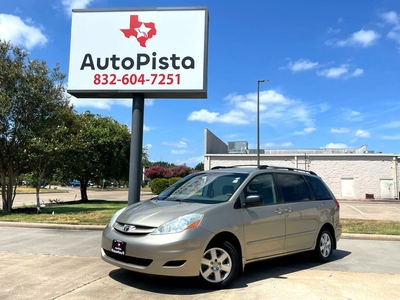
(154, 213)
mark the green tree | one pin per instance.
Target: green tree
(101, 150)
(29, 91)
(199, 167)
(145, 157)
(45, 151)
(161, 164)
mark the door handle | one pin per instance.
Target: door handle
(278, 211)
(288, 209)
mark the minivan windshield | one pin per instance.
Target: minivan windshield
(204, 188)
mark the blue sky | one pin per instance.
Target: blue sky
(333, 68)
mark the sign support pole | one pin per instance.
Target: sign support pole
(135, 165)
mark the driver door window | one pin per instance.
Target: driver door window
(264, 186)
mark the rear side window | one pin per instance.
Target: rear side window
(318, 188)
(294, 188)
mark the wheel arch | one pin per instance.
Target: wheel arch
(328, 226)
(231, 238)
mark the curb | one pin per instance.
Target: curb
(346, 236)
(376, 237)
(52, 226)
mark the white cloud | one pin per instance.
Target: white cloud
(215, 117)
(24, 34)
(394, 124)
(180, 152)
(71, 4)
(391, 17)
(301, 65)
(309, 129)
(357, 72)
(391, 137)
(362, 38)
(351, 115)
(146, 128)
(394, 35)
(94, 103)
(179, 144)
(334, 72)
(277, 145)
(362, 134)
(340, 130)
(275, 108)
(99, 103)
(335, 145)
(305, 131)
(354, 114)
(333, 30)
(341, 72)
(147, 102)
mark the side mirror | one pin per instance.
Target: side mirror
(254, 200)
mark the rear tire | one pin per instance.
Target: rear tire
(324, 246)
(219, 265)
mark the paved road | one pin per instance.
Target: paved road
(65, 264)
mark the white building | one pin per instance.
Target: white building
(350, 173)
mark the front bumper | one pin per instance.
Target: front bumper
(177, 254)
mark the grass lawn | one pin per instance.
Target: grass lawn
(370, 226)
(99, 212)
(95, 212)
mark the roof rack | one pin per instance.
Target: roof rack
(234, 166)
(292, 169)
(263, 167)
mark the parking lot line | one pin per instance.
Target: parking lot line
(354, 208)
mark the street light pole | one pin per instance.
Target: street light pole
(258, 119)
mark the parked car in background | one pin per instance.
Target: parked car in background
(74, 183)
(212, 223)
(44, 182)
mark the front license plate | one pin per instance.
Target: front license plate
(118, 247)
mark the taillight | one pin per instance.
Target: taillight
(337, 203)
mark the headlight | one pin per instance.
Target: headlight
(115, 216)
(180, 224)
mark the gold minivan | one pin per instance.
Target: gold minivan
(212, 223)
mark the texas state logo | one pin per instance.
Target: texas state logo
(142, 31)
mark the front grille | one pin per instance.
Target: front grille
(132, 229)
(129, 259)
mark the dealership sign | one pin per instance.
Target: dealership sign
(158, 52)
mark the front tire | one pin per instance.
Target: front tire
(219, 265)
(324, 246)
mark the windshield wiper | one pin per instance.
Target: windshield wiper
(176, 199)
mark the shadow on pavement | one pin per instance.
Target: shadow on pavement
(272, 268)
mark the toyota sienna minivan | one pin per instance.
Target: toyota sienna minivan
(212, 223)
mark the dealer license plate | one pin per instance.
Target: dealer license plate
(118, 247)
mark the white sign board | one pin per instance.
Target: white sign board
(158, 52)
